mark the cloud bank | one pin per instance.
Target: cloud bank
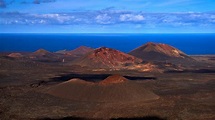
(109, 18)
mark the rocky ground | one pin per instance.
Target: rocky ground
(182, 96)
(179, 92)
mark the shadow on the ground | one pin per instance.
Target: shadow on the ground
(79, 118)
(194, 71)
(65, 118)
(141, 118)
(95, 77)
(86, 77)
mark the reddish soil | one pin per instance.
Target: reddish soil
(107, 57)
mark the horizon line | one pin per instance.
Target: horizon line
(102, 33)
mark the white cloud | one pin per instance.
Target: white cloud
(61, 18)
(131, 17)
(103, 19)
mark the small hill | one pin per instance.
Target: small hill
(77, 80)
(42, 52)
(44, 56)
(15, 55)
(113, 79)
(82, 50)
(114, 89)
(107, 58)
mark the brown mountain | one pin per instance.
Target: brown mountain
(80, 90)
(82, 50)
(106, 58)
(160, 53)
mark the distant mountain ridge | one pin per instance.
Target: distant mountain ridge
(150, 57)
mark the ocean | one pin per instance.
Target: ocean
(192, 44)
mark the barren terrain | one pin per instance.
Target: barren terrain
(42, 90)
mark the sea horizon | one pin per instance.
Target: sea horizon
(190, 43)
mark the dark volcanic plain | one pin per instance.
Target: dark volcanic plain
(152, 82)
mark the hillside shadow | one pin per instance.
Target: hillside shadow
(65, 118)
(141, 118)
(79, 118)
(95, 77)
(86, 77)
(194, 71)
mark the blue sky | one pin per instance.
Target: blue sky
(107, 16)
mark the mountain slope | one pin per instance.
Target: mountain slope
(106, 58)
(157, 52)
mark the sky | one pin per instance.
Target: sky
(107, 16)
